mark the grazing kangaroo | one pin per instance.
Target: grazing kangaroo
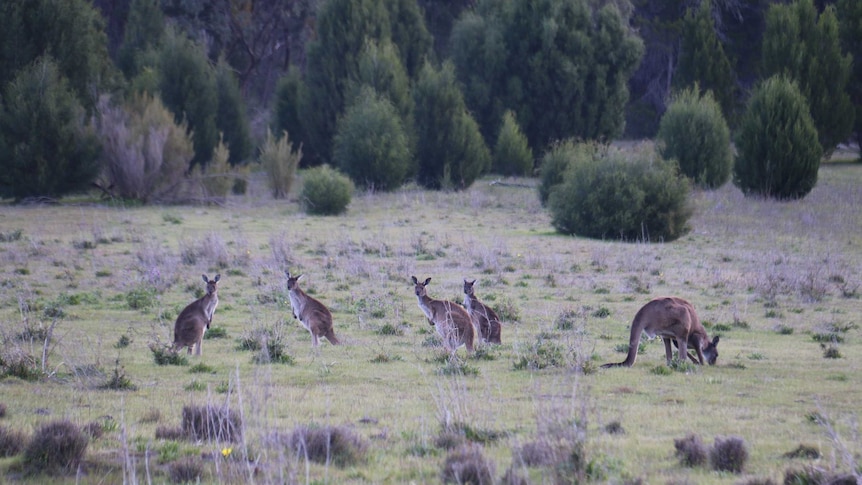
(484, 318)
(312, 314)
(452, 322)
(674, 319)
(196, 318)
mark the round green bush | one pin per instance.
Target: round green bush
(694, 133)
(615, 195)
(512, 154)
(371, 145)
(557, 160)
(778, 154)
(325, 191)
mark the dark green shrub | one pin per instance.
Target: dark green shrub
(635, 196)
(337, 445)
(728, 454)
(694, 133)
(370, 144)
(778, 154)
(468, 464)
(325, 191)
(512, 154)
(557, 160)
(57, 447)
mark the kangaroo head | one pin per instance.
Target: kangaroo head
(419, 288)
(212, 284)
(468, 287)
(293, 281)
(710, 353)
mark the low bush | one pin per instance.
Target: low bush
(633, 197)
(728, 454)
(468, 464)
(57, 447)
(165, 355)
(337, 445)
(325, 191)
(212, 423)
(690, 450)
(556, 161)
(187, 470)
(11, 442)
(280, 163)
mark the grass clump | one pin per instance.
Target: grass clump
(170, 433)
(728, 454)
(542, 354)
(15, 362)
(691, 451)
(215, 332)
(211, 423)
(337, 445)
(201, 368)
(468, 464)
(11, 442)
(56, 448)
(804, 451)
(165, 355)
(187, 470)
(119, 381)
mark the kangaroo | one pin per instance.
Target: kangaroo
(312, 314)
(452, 322)
(196, 318)
(484, 318)
(672, 319)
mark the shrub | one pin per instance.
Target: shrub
(211, 423)
(778, 154)
(370, 144)
(728, 454)
(467, 464)
(512, 154)
(535, 453)
(49, 151)
(163, 355)
(145, 152)
(556, 161)
(694, 133)
(216, 178)
(337, 445)
(187, 470)
(632, 197)
(280, 163)
(57, 447)
(325, 191)
(690, 451)
(11, 442)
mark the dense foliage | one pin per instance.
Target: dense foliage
(693, 132)
(850, 28)
(325, 191)
(512, 154)
(778, 154)
(371, 145)
(555, 162)
(280, 162)
(46, 146)
(615, 195)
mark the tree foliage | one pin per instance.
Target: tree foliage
(231, 117)
(450, 151)
(694, 133)
(561, 67)
(70, 32)
(778, 154)
(850, 24)
(370, 145)
(145, 30)
(279, 162)
(286, 117)
(702, 59)
(410, 34)
(805, 48)
(629, 196)
(381, 69)
(512, 154)
(46, 147)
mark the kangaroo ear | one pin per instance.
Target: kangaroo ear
(218, 277)
(206, 280)
(715, 340)
(427, 281)
(287, 273)
(415, 281)
(299, 277)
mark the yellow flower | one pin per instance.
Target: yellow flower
(225, 452)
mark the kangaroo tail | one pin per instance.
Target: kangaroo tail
(634, 342)
(330, 335)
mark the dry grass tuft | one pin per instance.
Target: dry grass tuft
(690, 450)
(212, 424)
(187, 470)
(337, 445)
(170, 433)
(468, 464)
(56, 448)
(728, 454)
(11, 442)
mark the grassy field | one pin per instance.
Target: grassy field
(780, 282)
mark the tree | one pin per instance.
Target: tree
(512, 154)
(559, 66)
(187, 86)
(145, 30)
(805, 48)
(49, 149)
(694, 133)
(231, 118)
(370, 145)
(778, 154)
(288, 95)
(449, 148)
(850, 23)
(702, 59)
(68, 31)
(380, 68)
(409, 34)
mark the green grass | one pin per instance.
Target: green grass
(787, 270)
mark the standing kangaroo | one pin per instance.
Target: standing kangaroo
(312, 314)
(196, 318)
(452, 322)
(674, 319)
(485, 319)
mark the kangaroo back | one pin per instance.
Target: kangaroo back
(311, 313)
(195, 318)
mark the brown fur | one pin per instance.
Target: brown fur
(672, 319)
(312, 314)
(196, 318)
(451, 320)
(484, 318)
